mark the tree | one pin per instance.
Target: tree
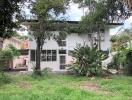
(121, 41)
(7, 55)
(93, 22)
(121, 44)
(101, 13)
(8, 10)
(46, 12)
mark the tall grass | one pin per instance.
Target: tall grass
(62, 87)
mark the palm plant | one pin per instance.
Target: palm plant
(88, 61)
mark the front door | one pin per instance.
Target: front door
(62, 58)
(62, 62)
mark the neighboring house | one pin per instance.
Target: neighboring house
(19, 62)
(57, 55)
(17, 43)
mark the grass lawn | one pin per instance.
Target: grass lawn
(62, 87)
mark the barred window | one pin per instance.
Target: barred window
(62, 62)
(49, 55)
(62, 51)
(62, 43)
(32, 55)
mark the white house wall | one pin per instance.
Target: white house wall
(105, 45)
(71, 42)
(74, 39)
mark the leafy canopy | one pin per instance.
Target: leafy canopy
(49, 9)
(8, 10)
(101, 12)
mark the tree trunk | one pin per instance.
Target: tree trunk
(38, 53)
(90, 38)
(99, 39)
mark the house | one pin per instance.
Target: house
(17, 43)
(19, 62)
(57, 55)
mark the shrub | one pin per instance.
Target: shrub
(6, 55)
(46, 71)
(122, 59)
(128, 67)
(88, 61)
(118, 60)
(4, 78)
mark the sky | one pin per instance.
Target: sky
(74, 14)
(119, 29)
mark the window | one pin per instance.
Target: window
(70, 52)
(54, 54)
(62, 51)
(49, 55)
(43, 55)
(62, 67)
(32, 55)
(62, 43)
(62, 62)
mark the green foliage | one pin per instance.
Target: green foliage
(20, 37)
(13, 49)
(101, 13)
(128, 67)
(94, 21)
(46, 71)
(66, 87)
(88, 61)
(122, 45)
(49, 9)
(4, 78)
(7, 9)
(114, 38)
(108, 9)
(121, 42)
(46, 12)
(118, 60)
(6, 56)
(9, 53)
(123, 59)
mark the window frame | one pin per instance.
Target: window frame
(49, 57)
(62, 63)
(62, 52)
(31, 56)
(62, 43)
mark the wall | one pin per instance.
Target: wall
(13, 41)
(72, 41)
(105, 45)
